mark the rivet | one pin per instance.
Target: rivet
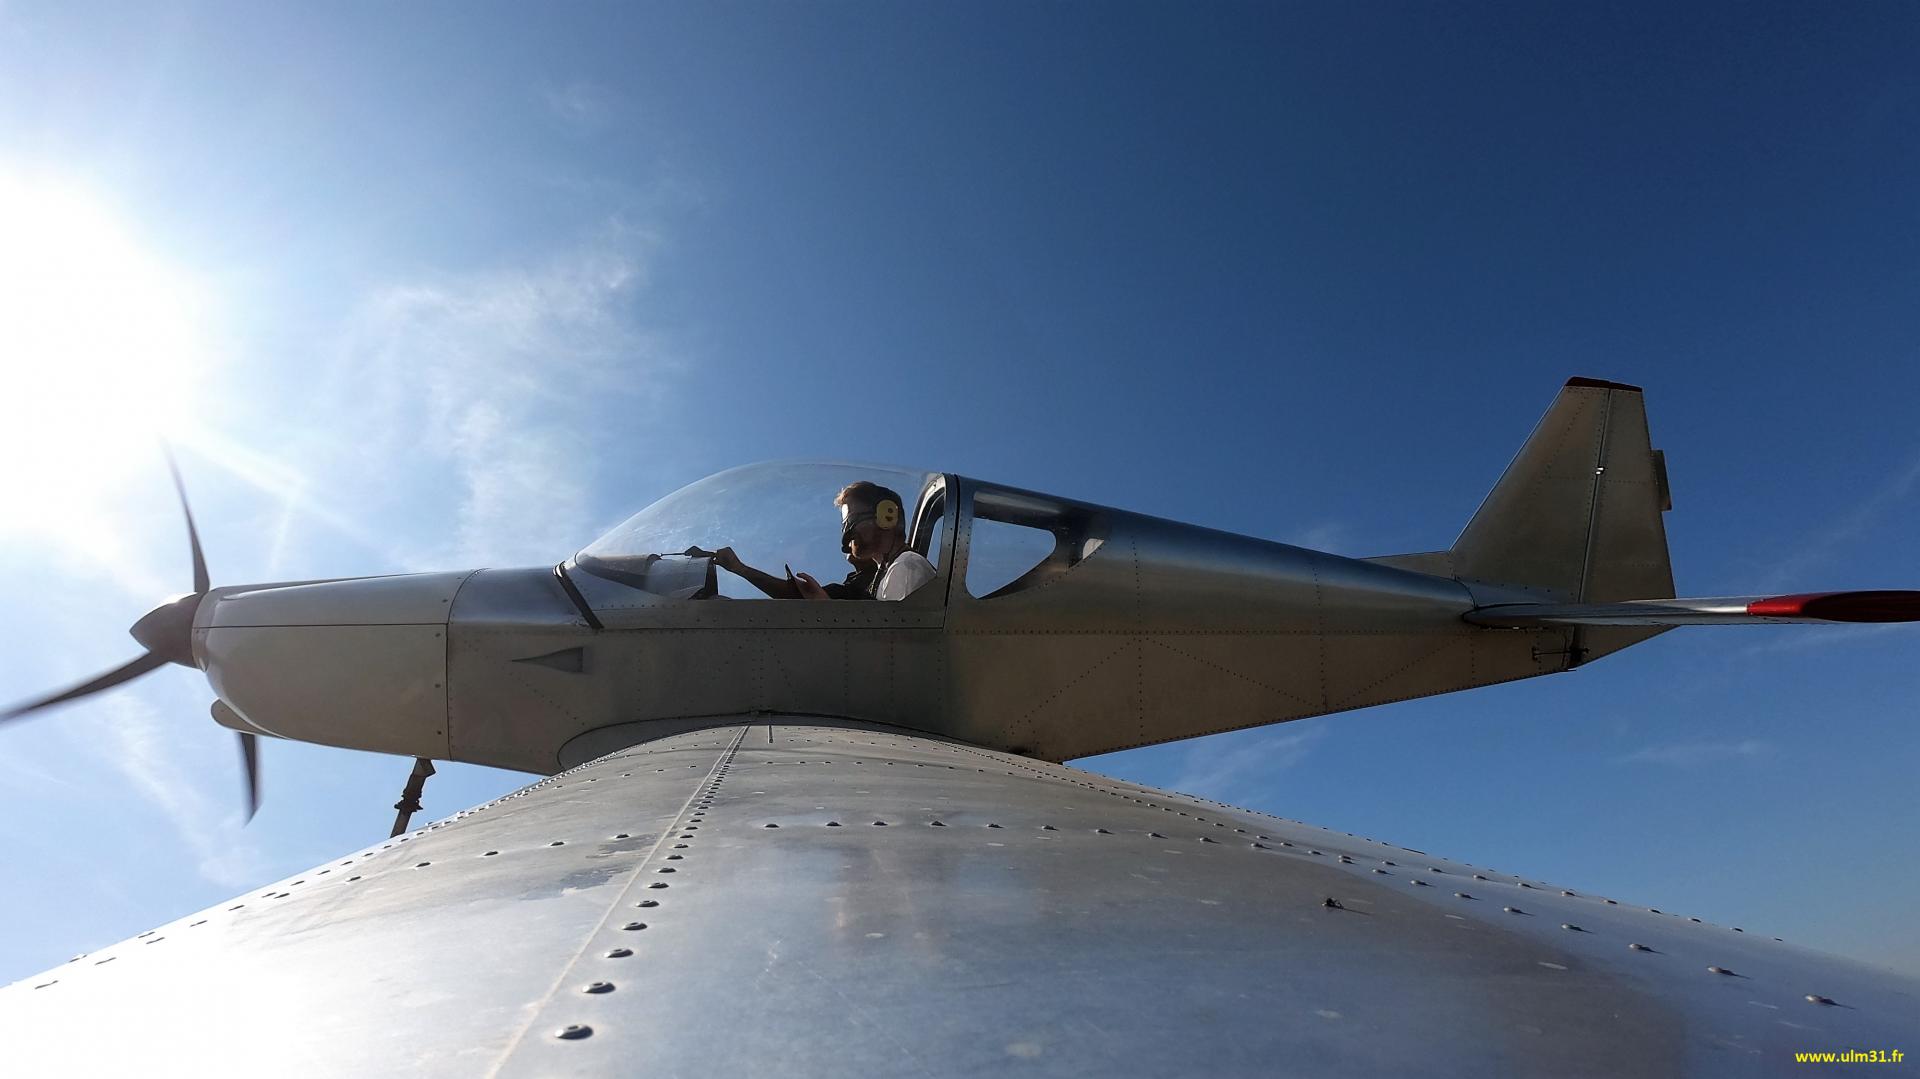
(993, 826)
(1563, 891)
(675, 857)
(421, 865)
(1381, 871)
(1653, 910)
(1812, 998)
(1479, 876)
(679, 846)
(350, 880)
(1435, 869)
(648, 903)
(1638, 948)
(1331, 903)
(1737, 929)
(597, 987)
(1048, 828)
(622, 835)
(935, 824)
(833, 824)
(631, 926)
(1612, 902)
(573, 1032)
(1462, 895)
(1101, 831)
(1344, 860)
(1418, 883)
(1155, 835)
(1524, 884)
(1260, 846)
(1383, 861)
(1206, 839)
(658, 884)
(665, 869)
(1722, 970)
(1513, 910)
(769, 826)
(557, 843)
(879, 824)
(1693, 919)
(1571, 928)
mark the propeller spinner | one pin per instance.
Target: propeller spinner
(166, 632)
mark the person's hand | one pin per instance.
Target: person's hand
(808, 587)
(724, 558)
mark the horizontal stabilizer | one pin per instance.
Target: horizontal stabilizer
(1880, 606)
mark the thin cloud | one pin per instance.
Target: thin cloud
(1820, 547)
(1694, 754)
(1229, 769)
(1826, 636)
(138, 749)
(1320, 536)
(580, 106)
(501, 382)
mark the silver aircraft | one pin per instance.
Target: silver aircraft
(835, 837)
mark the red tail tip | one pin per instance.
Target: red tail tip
(1883, 606)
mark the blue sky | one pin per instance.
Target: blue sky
(432, 286)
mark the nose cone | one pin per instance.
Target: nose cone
(167, 630)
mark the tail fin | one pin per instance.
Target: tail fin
(1576, 516)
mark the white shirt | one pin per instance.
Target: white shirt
(904, 574)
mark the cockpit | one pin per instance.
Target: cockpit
(727, 536)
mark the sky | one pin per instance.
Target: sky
(436, 285)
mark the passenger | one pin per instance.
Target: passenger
(873, 534)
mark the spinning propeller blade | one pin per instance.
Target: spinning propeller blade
(250, 760)
(167, 634)
(201, 580)
(124, 673)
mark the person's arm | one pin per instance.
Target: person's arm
(773, 587)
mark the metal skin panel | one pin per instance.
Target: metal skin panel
(411, 599)
(378, 688)
(786, 897)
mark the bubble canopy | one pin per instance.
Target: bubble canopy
(774, 515)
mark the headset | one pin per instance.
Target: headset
(885, 514)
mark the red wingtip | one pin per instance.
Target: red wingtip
(1884, 606)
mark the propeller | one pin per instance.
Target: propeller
(166, 632)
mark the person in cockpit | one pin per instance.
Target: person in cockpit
(873, 535)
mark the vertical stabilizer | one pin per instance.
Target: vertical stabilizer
(1576, 516)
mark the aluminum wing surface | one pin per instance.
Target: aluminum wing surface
(802, 898)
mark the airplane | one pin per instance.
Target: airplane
(829, 837)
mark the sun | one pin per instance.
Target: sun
(104, 351)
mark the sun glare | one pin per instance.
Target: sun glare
(103, 352)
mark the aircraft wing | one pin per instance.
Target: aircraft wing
(805, 897)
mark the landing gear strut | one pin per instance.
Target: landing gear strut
(409, 802)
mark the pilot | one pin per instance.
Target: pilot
(873, 535)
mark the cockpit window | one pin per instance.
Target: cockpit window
(773, 516)
(1017, 540)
